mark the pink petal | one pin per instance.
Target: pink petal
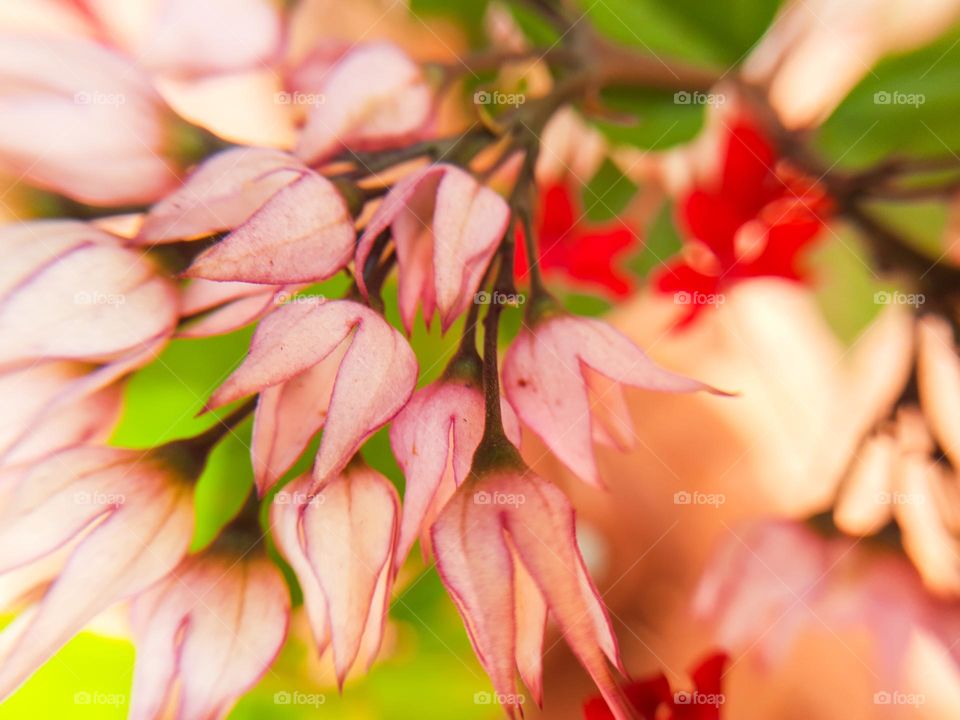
(82, 120)
(373, 97)
(303, 233)
(411, 196)
(141, 541)
(349, 531)
(215, 625)
(468, 224)
(92, 302)
(531, 614)
(476, 567)
(434, 438)
(231, 316)
(38, 396)
(863, 503)
(938, 375)
(191, 37)
(285, 512)
(288, 416)
(374, 380)
(223, 192)
(545, 381)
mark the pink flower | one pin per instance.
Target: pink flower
(370, 97)
(213, 307)
(564, 379)
(81, 120)
(127, 516)
(51, 406)
(289, 224)
(446, 227)
(188, 38)
(69, 291)
(434, 438)
(333, 365)
(778, 579)
(339, 538)
(211, 629)
(507, 554)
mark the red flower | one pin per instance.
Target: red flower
(570, 246)
(653, 694)
(753, 220)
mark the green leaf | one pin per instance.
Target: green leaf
(710, 33)
(607, 193)
(662, 119)
(906, 106)
(661, 243)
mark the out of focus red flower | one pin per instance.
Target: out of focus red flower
(570, 246)
(652, 696)
(752, 219)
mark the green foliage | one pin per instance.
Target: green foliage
(906, 106)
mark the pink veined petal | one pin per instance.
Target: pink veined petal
(938, 375)
(216, 625)
(289, 341)
(542, 530)
(374, 380)
(231, 316)
(132, 549)
(531, 613)
(93, 302)
(544, 379)
(288, 416)
(30, 247)
(349, 532)
(200, 295)
(223, 192)
(434, 438)
(43, 505)
(285, 513)
(372, 97)
(468, 224)
(96, 133)
(476, 567)
(39, 395)
(303, 233)
(413, 237)
(197, 37)
(612, 424)
(412, 195)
